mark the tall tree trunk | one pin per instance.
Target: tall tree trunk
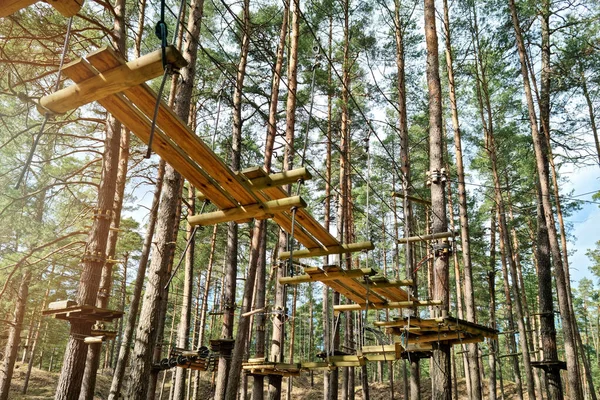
(488, 124)
(94, 351)
(544, 182)
(166, 233)
(183, 329)
(546, 306)
(329, 377)
(72, 373)
(440, 373)
(14, 335)
(232, 228)
(36, 335)
(278, 337)
(123, 358)
(510, 339)
(472, 354)
(406, 182)
(493, 343)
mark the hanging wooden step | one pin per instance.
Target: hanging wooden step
(426, 238)
(67, 8)
(246, 213)
(331, 250)
(320, 275)
(388, 305)
(412, 198)
(258, 367)
(257, 179)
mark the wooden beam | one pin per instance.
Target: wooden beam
(266, 181)
(280, 178)
(441, 337)
(424, 238)
(110, 82)
(247, 212)
(67, 8)
(318, 252)
(387, 284)
(392, 304)
(325, 276)
(412, 198)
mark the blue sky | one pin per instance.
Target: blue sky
(586, 222)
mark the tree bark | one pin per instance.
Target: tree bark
(123, 358)
(14, 336)
(94, 351)
(561, 285)
(232, 227)
(183, 328)
(166, 234)
(472, 354)
(441, 371)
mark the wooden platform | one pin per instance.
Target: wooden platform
(419, 334)
(84, 313)
(67, 8)
(361, 286)
(271, 368)
(104, 77)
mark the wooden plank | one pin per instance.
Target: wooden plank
(395, 304)
(341, 249)
(143, 97)
(67, 8)
(9, 7)
(323, 276)
(439, 337)
(425, 238)
(300, 234)
(306, 220)
(140, 125)
(258, 211)
(110, 82)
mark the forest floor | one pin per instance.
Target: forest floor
(42, 385)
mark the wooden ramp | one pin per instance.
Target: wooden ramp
(362, 286)
(67, 8)
(118, 86)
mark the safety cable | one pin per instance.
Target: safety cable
(47, 114)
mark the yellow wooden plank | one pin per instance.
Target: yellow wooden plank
(140, 125)
(331, 250)
(246, 212)
(110, 82)
(143, 97)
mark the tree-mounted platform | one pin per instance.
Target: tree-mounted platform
(361, 286)
(67, 8)
(421, 333)
(69, 311)
(118, 86)
(549, 365)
